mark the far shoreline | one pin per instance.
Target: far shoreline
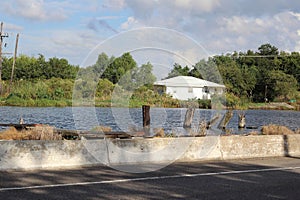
(107, 104)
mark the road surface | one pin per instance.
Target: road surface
(269, 178)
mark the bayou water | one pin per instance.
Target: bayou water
(122, 119)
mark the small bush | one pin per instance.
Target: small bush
(13, 100)
(205, 104)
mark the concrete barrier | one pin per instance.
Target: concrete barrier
(47, 154)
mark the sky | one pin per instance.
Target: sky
(72, 29)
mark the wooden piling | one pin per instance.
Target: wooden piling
(146, 119)
(189, 117)
(242, 120)
(146, 115)
(225, 120)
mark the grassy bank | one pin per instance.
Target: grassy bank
(162, 101)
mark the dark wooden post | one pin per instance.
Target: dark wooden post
(189, 117)
(146, 118)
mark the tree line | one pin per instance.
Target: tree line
(264, 74)
(31, 68)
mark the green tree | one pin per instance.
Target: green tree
(232, 77)
(104, 89)
(178, 70)
(119, 67)
(209, 70)
(281, 85)
(291, 64)
(38, 68)
(137, 77)
(102, 63)
(250, 79)
(144, 76)
(60, 68)
(268, 50)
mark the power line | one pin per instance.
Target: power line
(261, 56)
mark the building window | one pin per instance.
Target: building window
(206, 90)
(190, 90)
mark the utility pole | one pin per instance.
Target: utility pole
(2, 35)
(14, 62)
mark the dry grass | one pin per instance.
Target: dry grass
(276, 130)
(297, 131)
(202, 130)
(104, 129)
(159, 132)
(254, 133)
(34, 133)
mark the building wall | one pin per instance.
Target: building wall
(184, 93)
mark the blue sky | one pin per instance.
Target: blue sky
(73, 28)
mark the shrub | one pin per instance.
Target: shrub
(204, 103)
(276, 130)
(35, 133)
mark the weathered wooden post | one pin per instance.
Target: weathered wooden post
(242, 120)
(225, 120)
(146, 118)
(189, 117)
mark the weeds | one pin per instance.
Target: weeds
(276, 130)
(35, 133)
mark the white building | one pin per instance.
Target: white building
(188, 87)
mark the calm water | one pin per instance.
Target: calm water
(122, 118)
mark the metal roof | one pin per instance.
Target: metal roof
(187, 81)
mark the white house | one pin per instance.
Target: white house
(188, 87)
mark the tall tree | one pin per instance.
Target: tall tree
(178, 70)
(102, 63)
(119, 67)
(268, 50)
(138, 77)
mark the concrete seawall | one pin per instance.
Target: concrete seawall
(47, 154)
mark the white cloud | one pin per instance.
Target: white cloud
(35, 9)
(12, 27)
(130, 24)
(241, 25)
(222, 26)
(219, 25)
(200, 6)
(71, 44)
(242, 33)
(114, 4)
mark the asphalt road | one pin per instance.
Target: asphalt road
(272, 178)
